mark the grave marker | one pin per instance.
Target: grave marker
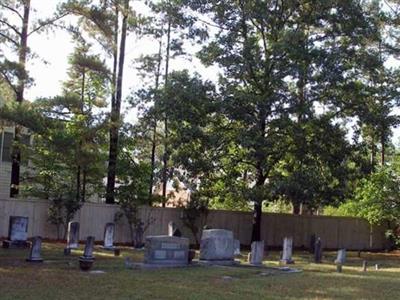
(166, 250)
(17, 233)
(257, 253)
(34, 254)
(287, 250)
(217, 245)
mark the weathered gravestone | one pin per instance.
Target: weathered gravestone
(34, 254)
(341, 257)
(217, 245)
(236, 247)
(86, 261)
(17, 233)
(257, 253)
(139, 232)
(109, 234)
(287, 250)
(166, 250)
(318, 251)
(173, 230)
(73, 235)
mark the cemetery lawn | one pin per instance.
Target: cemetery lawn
(59, 277)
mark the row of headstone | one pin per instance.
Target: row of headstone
(73, 236)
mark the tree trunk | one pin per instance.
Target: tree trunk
(78, 184)
(373, 154)
(296, 208)
(256, 230)
(23, 50)
(383, 149)
(257, 210)
(84, 180)
(154, 138)
(166, 154)
(116, 111)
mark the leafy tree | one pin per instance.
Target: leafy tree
(132, 187)
(256, 47)
(109, 23)
(15, 29)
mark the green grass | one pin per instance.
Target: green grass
(60, 278)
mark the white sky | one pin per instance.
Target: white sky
(54, 47)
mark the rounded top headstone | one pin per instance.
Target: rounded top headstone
(217, 233)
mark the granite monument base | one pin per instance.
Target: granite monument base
(166, 250)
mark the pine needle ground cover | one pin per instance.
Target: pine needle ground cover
(59, 277)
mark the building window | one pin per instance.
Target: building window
(8, 139)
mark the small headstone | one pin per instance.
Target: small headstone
(109, 234)
(339, 268)
(139, 232)
(318, 251)
(217, 245)
(173, 230)
(287, 250)
(227, 278)
(34, 254)
(341, 257)
(88, 252)
(86, 261)
(257, 253)
(128, 263)
(17, 233)
(166, 250)
(73, 235)
(364, 266)
(236, 246)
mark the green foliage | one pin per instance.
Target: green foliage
(377, 198)
(194, 215)
(132, 188)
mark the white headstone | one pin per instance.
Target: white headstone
(109, 233)
(73, 235)
(341, 257)
(257, 253)
(287, 250)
